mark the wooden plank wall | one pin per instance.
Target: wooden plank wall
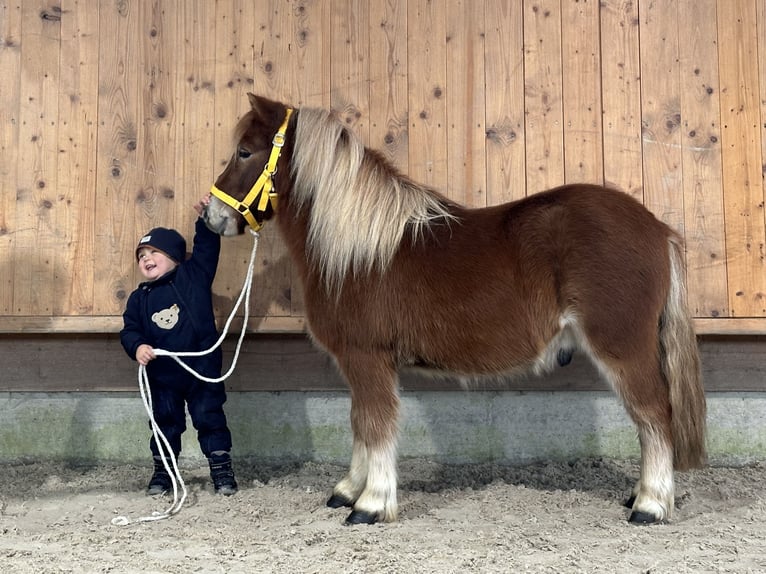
(116, 116)
(62, 362)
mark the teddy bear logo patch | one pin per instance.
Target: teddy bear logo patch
(167, 318)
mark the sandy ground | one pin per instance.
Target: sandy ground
(547, 517)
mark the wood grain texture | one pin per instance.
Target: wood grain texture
(581, 75)
(427, 78)
(234, 51)
(741, 160)
(10, 65)
(621, 96)
(117, 116)
(116, 161)
(543, 95)
(32, 262)
(388, 80)
(349, 64)
(75, 200)
(661, 112)
(466, 156)
(701, 160)
(504, 101)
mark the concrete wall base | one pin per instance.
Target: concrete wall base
(450, 427)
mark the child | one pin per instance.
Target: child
(173, 310)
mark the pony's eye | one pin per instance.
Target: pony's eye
(243, 153)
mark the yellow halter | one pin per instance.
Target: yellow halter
(264, 185)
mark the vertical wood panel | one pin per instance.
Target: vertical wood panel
(349, 64)
(661, 111)
(10, 68)
(155, 196)
(35, 241)
(761, 113)
(466, 156)
(543, 90)
(310, 46)
(116, 163)
(761, 120)
(621, 93)
(194, 108)
(236, 38)
(76, 194)
(504, 101)
(274, 22)
(310, 84)
(427, 78)
(701, 156)
(194, 113)
(741, 147)
(581, 68)
(388, 80)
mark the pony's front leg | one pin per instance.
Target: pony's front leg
(370, 485)
(347, 491)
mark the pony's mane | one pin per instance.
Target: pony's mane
(360, 205)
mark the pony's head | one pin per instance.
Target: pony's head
(350, 206)
(245, 193)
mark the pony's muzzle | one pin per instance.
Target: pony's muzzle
(218, 219)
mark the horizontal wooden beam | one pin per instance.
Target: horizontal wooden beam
(274, 363)
(10, 324)
(113, 324)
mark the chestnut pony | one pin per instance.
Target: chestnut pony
(396, 275)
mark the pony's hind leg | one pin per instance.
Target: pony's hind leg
(640, 384)
(370, 485)
(646, 400)
(652, 499)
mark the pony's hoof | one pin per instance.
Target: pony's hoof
(336, 501)
(564, 357)
(360, 517)
(630, 502)
(638, 517)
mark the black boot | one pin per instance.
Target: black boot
(160, 482)
(222, 474)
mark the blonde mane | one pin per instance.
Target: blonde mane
(360, 206)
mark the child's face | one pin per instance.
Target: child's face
(153, 263)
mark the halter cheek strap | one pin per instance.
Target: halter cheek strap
(263, 186)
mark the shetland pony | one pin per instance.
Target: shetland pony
(396, 275)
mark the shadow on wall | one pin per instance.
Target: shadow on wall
(522, 426)
(264, 425)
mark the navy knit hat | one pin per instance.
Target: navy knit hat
(169, 241)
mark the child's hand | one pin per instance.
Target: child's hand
(144, 354)
(200, 206)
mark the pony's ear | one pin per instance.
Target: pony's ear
(265, 108)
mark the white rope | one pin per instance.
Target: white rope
(163, 446)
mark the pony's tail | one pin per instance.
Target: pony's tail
(681, 367)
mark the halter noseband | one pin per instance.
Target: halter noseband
(264, 185)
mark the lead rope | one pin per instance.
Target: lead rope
(163, 446)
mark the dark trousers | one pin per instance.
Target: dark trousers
(205, 403)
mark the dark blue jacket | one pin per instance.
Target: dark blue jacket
(175, 313)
